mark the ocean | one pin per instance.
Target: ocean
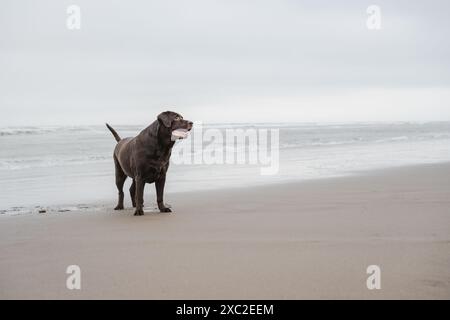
(65, 167)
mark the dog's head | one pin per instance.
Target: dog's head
(173, 124)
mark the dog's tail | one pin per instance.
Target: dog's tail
(116, 136)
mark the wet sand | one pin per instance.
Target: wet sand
(287, 241)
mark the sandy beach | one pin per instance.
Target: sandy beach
(286, 241)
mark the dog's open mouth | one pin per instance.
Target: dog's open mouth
(179, 134)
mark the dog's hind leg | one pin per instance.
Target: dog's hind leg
(133, 193)
(120, 180)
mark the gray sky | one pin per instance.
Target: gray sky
(220, 61)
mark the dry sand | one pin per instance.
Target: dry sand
(286, 241)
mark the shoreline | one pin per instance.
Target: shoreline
(151, 206)
(302, 240)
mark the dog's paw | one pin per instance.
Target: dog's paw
(118, 207)
(139, 212)
(165, 210)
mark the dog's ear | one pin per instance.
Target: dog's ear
(166, 118)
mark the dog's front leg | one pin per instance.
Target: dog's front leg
(159, 184)
(133, 193)
(139, 196)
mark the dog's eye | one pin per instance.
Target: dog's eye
(177, 119)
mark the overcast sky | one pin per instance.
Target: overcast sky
(223, 61)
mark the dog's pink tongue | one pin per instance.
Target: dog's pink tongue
(179, 134)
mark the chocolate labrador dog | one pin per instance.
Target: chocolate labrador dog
(145, 159)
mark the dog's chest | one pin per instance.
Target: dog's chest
(155, 171)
